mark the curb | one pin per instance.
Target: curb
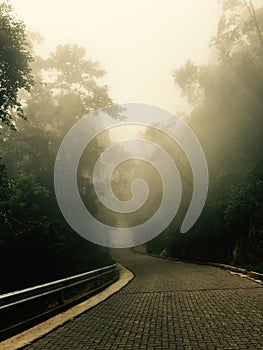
(252, 275)
(32, 334)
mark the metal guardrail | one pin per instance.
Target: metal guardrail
(18, 297)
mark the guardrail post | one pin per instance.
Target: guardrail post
(96, 282)
(61, 297)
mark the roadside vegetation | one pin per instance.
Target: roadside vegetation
(226, 103)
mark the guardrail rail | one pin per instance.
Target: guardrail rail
(22, 300)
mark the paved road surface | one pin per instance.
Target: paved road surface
(168, 305)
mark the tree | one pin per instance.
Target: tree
(239, 29)
(32, 229)
(252, 13)
(225, 96)
(73, 84)
(15, 71)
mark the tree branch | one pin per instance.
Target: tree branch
(251, 10)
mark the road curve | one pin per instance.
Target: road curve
(168, 305)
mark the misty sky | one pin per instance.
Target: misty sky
(138, 42)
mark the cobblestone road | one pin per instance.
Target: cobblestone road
(168, 305)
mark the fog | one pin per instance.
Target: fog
(138, 43)
(200, 61)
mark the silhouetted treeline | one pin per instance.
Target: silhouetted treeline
(36, 244)
(226, 99)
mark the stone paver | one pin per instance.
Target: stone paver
(168, 305)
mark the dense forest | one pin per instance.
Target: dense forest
(226, 103)
(40, 99)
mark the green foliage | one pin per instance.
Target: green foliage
(4, 184)
(226, 103)
(70, 66)
(72, 86)
(36, 244)
(27, 197)
(245, 197)
(187, 78)
(15, 72)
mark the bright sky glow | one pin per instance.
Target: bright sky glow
(138, 42)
